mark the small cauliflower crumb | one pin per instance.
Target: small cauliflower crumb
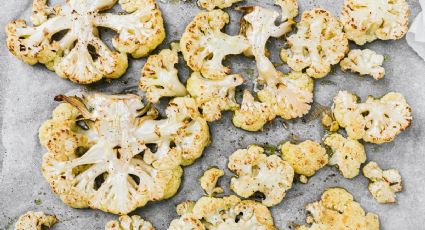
(365, 21)
(347, 154)
(329, 122)
(338, 210)
(383, 184)
(212, 4)
(35, 221)
(306, 158)
(209, 181)
(364, 62)
(125, 222)
(257, 172)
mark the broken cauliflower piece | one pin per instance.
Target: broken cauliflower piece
(35, 221)
(328, 121)
(364, 62)
(212, 4)
(224, 213)
(289, 96)
(376, 120)
(338, 210)
(112, 165)
(365, 21)
(318, 44)
(347, 154)
(306, 158)
(257, 172)
(204, 46)
(383, 184)
(252, 115)
(125, 222)
(258, 25)
(209, 181)
(159, 76)
(80, 55)
(214, 96)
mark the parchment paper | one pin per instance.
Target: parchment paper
(27, 100)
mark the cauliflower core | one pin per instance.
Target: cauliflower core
(209, 181)
(364, 62)
(214, 96)
(212, 4)
(35, 221)
(129, 223)
(383, 184)
(204, 46)
(318, 44)
(376, 120)
(80, 55)
(338, 210)
(347, 154)
(109, 152)
(366, 20)
(305, 158)
(223, 213)
(159, 76)
(257, 172)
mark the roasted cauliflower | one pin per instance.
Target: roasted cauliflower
(204, 46)
(80, 55)
(129, 223)
(347, 154)
(35, 221)
(364, 62)
(252, 115)
(214, 96)
(212, 4)
(318, 44)
(289, 96)
(209, 181)
(328, 121)
(223, 213)
(376, 120)
(159, 76)
(383, 184)
(366, 20)
(101, 150)
(305, 158)
(338, 210)
(257, 172)
(258, 25)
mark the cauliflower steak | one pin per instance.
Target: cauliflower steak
(109, 152)
(376, 120)
(79, 54)
(258, 173)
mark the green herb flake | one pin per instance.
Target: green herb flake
(269, 149)
(387, 58)
(38, 201)
(327, 82)
(250, 73)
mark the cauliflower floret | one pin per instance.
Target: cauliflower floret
(212, 4)
(224, 213)
(376, 120)
(214, 96)
(252, 115)
(318, 44)
(366, 20)
(257, 172)
(289, 8)
(117, 170)
(159, 76)
(289, 96)
(328, 121)
(258, 25)
(338, 210)
(125, 222)
(305, 158)
(348, 154)
(364, 62)
(35, 221)
(209, 181)
(383, 184)
(80, 55)
(204, 46)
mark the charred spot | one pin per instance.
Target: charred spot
(258, 196)
(238, 217)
